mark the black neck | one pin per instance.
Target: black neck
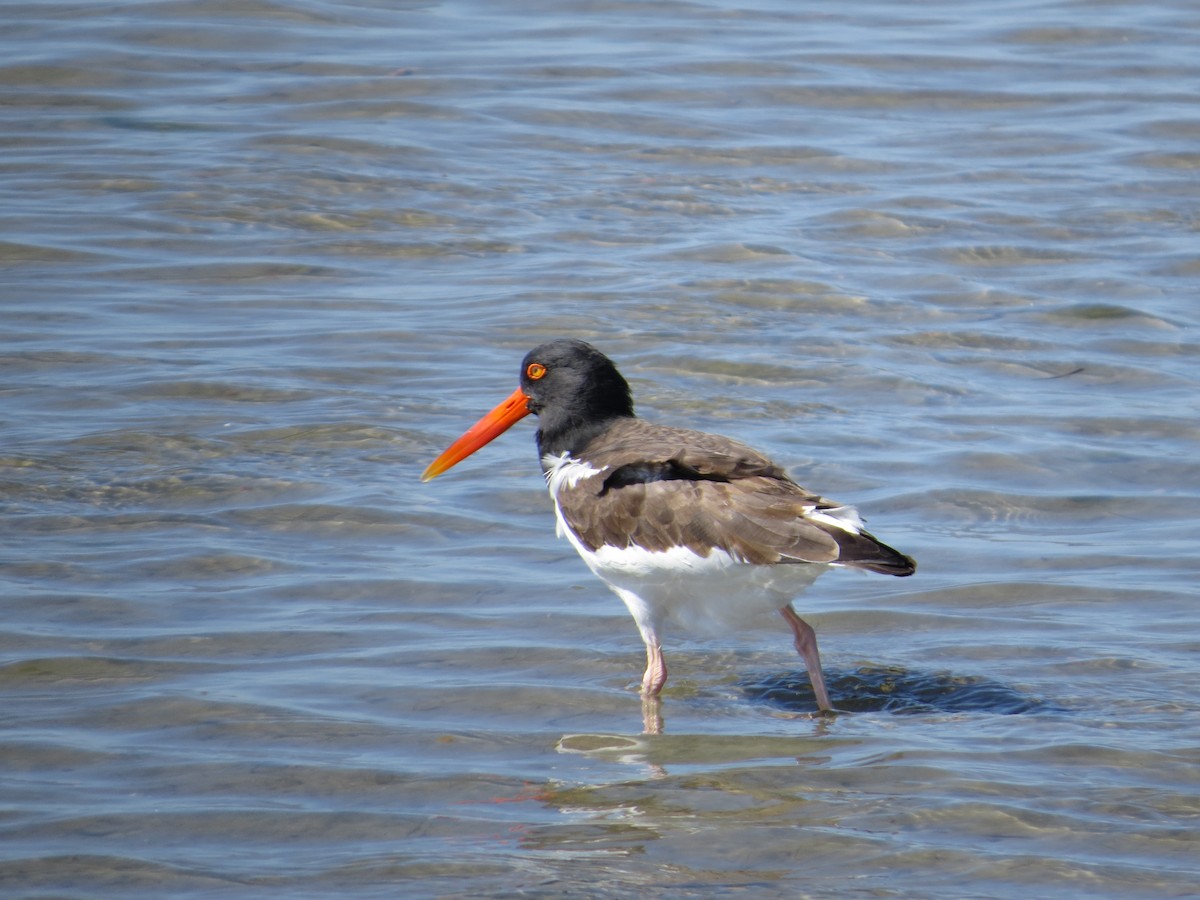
(556, 436)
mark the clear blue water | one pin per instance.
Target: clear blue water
(261, 261)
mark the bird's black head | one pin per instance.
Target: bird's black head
(575, 390)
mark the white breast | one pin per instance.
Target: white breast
(562, 471)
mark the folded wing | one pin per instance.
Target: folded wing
(659, 487)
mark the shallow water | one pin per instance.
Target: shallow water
(261, 262)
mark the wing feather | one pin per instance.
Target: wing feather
(660, 487)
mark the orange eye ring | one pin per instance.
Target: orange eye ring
(535, 371)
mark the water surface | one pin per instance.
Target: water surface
(261, 261)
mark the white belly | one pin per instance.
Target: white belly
(707, 595)
(678, 588)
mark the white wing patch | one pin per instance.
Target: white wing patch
(844, 517)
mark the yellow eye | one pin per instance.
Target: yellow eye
(535, 371)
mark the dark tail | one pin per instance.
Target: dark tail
(865, 551)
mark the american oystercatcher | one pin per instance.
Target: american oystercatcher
(685, 527)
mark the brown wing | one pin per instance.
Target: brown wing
(662, 487)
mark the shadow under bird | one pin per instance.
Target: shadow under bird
(685, 527)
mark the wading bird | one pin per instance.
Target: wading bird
(685, 527)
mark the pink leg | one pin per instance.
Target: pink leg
(806, 646)
(656, 670)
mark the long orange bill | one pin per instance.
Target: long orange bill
(486, 430)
